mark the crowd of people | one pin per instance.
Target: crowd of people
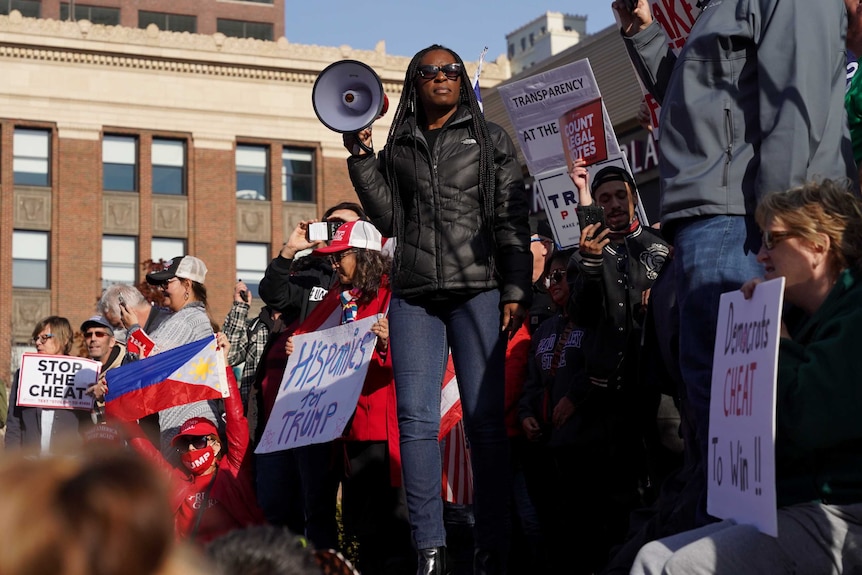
(561, 358)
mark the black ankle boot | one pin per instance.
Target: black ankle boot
(433, 561)
(486, 562)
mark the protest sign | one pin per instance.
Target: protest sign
(583, 133)
(676, 18)
(56, 381)
(741, 462)
(535, 105)
(140, 343)
(320, 386)
(559, 199)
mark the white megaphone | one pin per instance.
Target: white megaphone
(348, 96)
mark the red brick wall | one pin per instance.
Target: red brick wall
(334, 182)
(207, 11)
(7, 206)
(76, 229)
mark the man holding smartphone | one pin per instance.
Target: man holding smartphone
(610, 277)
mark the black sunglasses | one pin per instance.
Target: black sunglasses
(557, 276)
(196, 442)
(451, 71)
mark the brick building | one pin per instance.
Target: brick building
(261, 19)
(120, 144)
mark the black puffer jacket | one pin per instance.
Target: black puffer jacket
(447, 245)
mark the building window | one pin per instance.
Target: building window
(31, 151)
(511, 50)
(243, 29)
(251, 262)
(119, 260)
(119, 163)
(251, 172)
(167, 249)
(523, 44)
(169, 166)
(297, 175)
(28, 8)
(29, 259)
(95, 14)
(532, 39)
(168, 22)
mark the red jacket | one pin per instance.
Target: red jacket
(231, 502)
(376, 416)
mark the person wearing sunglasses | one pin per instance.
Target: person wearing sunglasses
(294, 283)
(213, 485)
(553, 420)
(35, 428)
(368, 455)
(449, 188)
(182, 284)
(812, 237)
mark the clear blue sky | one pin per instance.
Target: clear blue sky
(407, 26)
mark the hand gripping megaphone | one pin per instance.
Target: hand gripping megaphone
(348, 97)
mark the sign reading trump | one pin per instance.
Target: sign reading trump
(56, 381)
(320, 386)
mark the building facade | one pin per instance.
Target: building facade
(622, 96)
(261, 19)
(121, 144)
(547, 35)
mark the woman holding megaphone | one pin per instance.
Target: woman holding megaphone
(448, 186)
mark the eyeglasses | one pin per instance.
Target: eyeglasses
(197, 442)
(335, 259)
(42, 338)
(98, 334)
(772, 239)
(451, 71)
(557, 276)
(166, 283)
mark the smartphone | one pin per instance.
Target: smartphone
(121, 300)
(322, 231)
(631, 5)
(588, 215)
(244, 295)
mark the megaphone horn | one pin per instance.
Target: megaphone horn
(348, 96)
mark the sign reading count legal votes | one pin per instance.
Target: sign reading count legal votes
(741, 463)
(56, 381)
(320, 386)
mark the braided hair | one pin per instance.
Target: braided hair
(409, 105)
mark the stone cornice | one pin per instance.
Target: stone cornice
(81, 42)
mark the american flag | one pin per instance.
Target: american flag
(457, 473)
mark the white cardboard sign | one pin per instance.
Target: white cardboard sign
(320, 386)
(56, 381)
(741, 462)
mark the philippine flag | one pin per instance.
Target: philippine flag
(192, 372)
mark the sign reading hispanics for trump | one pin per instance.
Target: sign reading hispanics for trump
(320, 386)
(741, 461)
(56, 381)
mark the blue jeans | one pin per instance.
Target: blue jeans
(711, 256)
(421, 336)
